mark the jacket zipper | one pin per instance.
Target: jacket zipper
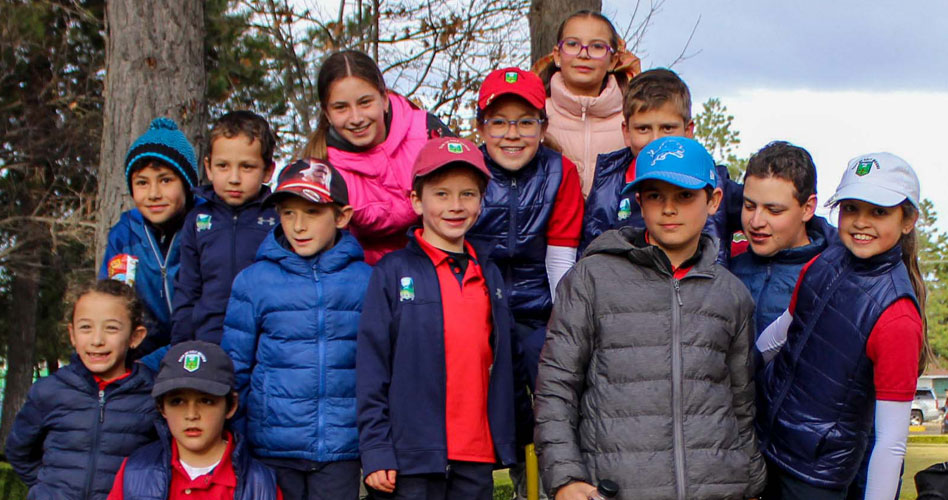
(513, 203)
(321, 342)
(162, 264)
(678, 432)
(95, 443)
(233, 248)
(587, 136)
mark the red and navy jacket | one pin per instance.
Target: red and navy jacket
(217, 242)
(400, 367)
(608, 208)
(816, 397)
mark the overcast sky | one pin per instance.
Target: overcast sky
(839, 78)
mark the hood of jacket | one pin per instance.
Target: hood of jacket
(606, 104)
(345, 251)
(622, 242)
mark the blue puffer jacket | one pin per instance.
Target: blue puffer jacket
(517, 208)
(400, 385)
(816, 398)
(608, 208)
(217, 242)
(154, 276)
(291, 330)
(70, 438)
(148, 471)
(771, 279)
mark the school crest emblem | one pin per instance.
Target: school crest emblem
(625, 209)
(406, 289)
(456, 148)
(203, 222)
(511, 77)
(191, 360)
(865, 166)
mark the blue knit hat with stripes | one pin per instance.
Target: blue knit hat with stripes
(163, 141)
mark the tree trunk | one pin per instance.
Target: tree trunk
(545, 17)
(25, 291)
(154, 67)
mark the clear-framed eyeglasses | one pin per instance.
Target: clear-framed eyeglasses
(595, 50)
(526, 127)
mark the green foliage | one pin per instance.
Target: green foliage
(713, 130)
(933, 260)
(11, 488)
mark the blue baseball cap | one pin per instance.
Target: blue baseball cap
(676, 160)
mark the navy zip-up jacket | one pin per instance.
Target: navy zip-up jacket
(217, 242)
(400, 367)
(608, 208)
(70, 438)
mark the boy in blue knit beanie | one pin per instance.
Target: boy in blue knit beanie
(143, 247)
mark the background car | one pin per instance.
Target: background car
(925, 406)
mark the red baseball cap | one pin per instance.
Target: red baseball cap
(524, 84)
(313, 180)
(442, 151)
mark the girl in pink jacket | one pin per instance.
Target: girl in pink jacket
(372, 136)
(585, 77)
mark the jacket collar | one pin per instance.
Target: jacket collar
(482, 249)
(77, 375)
(606, 104)
(345, 251)
(398, 124)
(211, 198)
(821, 235)
(623, 242)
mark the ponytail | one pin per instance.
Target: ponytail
(909, 244)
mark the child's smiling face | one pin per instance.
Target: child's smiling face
(517, 144)
(101, 332)
(868, 230)
(158, 192)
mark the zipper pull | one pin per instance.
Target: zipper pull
(678, 291)
(513, 183)
(101, 405)
(584, 113)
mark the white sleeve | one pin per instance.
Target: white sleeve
(891, 425)
(558, 261)
(774, 336)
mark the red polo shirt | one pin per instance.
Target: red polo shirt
(467, 355)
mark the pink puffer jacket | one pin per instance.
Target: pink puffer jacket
(585, 126)
(379, 181)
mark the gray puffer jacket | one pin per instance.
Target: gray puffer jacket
(647, 380)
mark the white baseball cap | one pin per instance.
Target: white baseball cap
(879, 178)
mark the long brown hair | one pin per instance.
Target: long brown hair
(337, 66)
(910, 250)
(547, 73)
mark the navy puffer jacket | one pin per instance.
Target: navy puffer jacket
(291, 330)
(771, 279)
(70, 438)
(217, 242)
(608, 208)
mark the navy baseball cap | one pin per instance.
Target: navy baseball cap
(197, 365)
(676, 160)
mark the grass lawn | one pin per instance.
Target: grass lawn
(919, 456)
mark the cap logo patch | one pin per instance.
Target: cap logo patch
(669, 148)
(191, 360)
(625, 209)
(511, 77)
(865, 166)
(317, 173)
(203, 222)
(456, 148)
(711, 174)
(406, 289)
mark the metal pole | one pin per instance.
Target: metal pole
(533, 474)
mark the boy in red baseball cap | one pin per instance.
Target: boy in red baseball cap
(434, 371)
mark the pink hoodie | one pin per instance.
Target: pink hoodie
(585, 126)
(379, 181)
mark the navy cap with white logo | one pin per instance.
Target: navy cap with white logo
(197, 365)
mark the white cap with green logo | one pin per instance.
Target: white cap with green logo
(879, 178)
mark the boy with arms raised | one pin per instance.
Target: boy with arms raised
(782, 231)
(195, 456)
(646, 374)
(220, 238)
(657, 104)
(291, 330)
(434, 376)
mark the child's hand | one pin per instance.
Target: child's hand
(577, 490)
(383, 480)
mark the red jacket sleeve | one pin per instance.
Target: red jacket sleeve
(894, 346)
(566, 223)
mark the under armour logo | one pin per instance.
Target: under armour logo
(500, 295)
(268, 220)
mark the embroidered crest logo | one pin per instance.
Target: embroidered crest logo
(203, 222)
(456, 148)
(191, 360)
(406, 289)
(865, 166)
(625, 209)
(511, 77)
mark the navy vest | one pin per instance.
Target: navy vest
(516, 211)
(816, 400)
(148, 472)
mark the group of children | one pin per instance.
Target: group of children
(408, 310)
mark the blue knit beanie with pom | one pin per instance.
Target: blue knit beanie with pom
(163, 141)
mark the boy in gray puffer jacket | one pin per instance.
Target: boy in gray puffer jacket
(646, 374)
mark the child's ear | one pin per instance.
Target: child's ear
(343, 216)
(268, 172)
(72, 338)
(233, 409)
(626, 134)
(809, 208)
(690, 129)
(416, 202)
(908, 221)
(715, 200)
(138, 335)
(207, 167)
